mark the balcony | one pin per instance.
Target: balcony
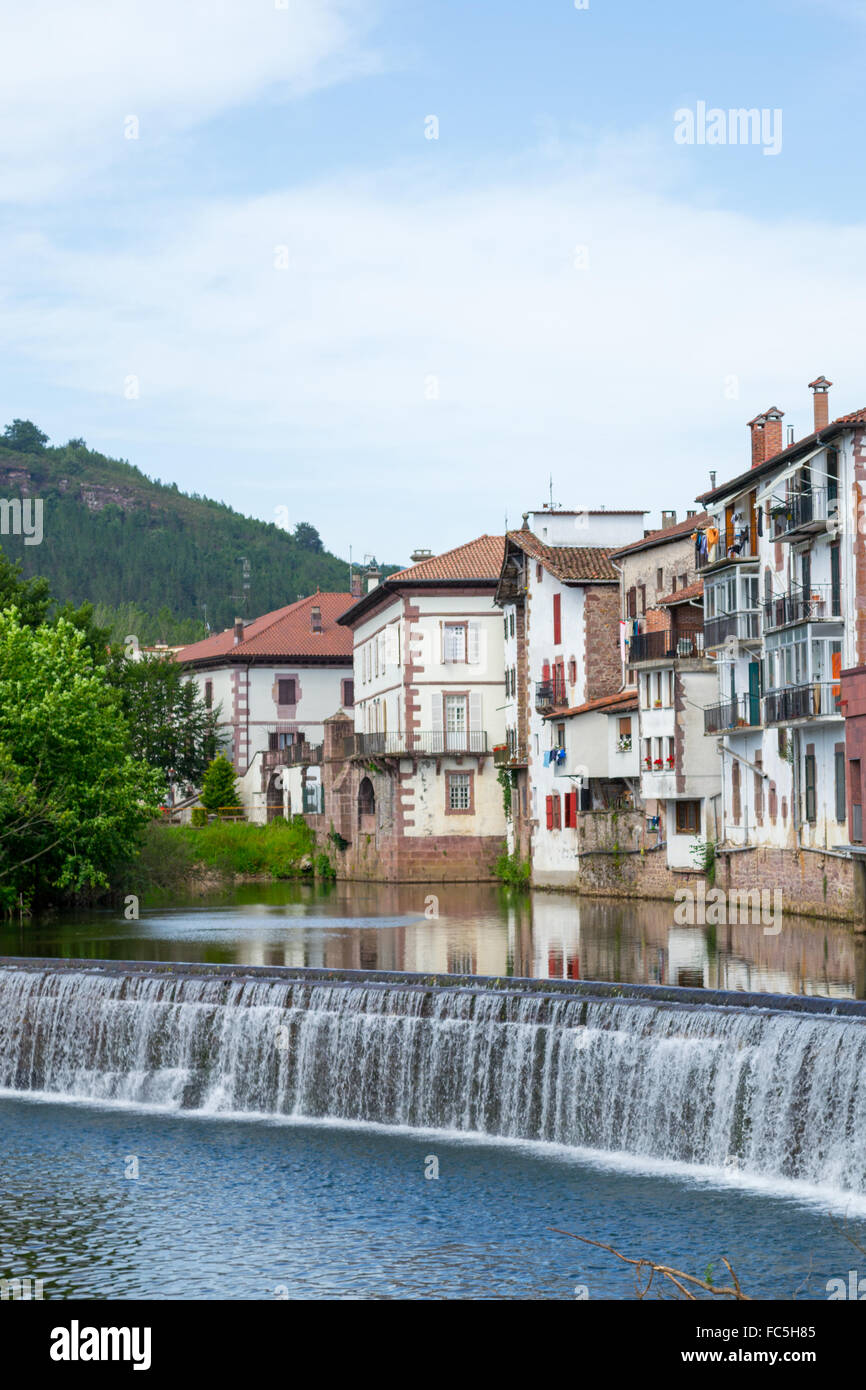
(743, 626)
(503, 756)
(816, 604)
(742, 713)
(818, 700)
(805, 514)
(284, 750)
(433, 743)
(550, 694)
(665, 645)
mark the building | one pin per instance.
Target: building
(410, 788)
(784, 570)
(276, 680)
(663, 618)
(559, 595)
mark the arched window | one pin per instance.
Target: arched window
(366, 798)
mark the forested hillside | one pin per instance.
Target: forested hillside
(153, 560)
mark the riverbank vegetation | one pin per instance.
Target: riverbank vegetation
(510, 868)
(176, 857)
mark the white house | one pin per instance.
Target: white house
(276, 680)
(429, 695)
(559, 593)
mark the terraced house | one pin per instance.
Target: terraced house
(410, 786)
(559, 595)
(784, 574)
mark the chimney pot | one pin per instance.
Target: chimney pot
(239, 630)
(355, 587)
(820, 389)
(373, 577)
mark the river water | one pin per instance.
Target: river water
(154, 1144)
(460, 929)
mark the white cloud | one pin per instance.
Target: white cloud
(72, 73)
(614, 377)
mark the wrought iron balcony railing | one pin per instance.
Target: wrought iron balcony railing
(742, 713)
(818, 700)
(665, 645)
(815, 604)
(416, 743)
(745, 626)
(804, 512)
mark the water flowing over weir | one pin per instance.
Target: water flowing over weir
(776, 1085)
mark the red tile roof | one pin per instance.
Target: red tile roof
(685, 595)
(573, 564)
(665, 533)
(622, 700)
(287, 632)
(478, 559)
(753, 475)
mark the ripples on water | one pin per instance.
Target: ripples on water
(480, 930)
(224, 1209)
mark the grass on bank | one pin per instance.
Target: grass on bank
(171, 855)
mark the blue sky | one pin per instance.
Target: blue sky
(283, 295)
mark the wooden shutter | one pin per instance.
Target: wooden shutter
(572, 796)
(557, 619)
(473, 639)
(549, 806)
(437, 711)
(475, 715)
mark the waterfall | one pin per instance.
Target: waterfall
(779, 1093)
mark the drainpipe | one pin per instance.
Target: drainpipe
(795, 787)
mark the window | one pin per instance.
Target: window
(632, 603)
(539, 572)
(286, 692)
(456, 721)
(557, 619)
(684, 581)
(459, 793)
(839, 761)
(557, 812)
(512, 623)
(505, 620)
(348, 699)
(759, 791)
(810, 772)
(572, 672)
(625, 727)
(689, 817)
(642, 591)
(208, 693)
(571, 809)
(835, 581)
(660, 580)
(454, 641)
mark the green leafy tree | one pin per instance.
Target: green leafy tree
(32, 597)
(170, 726)
(219, 788)
(308, 538)
(24, 436)
(73, 802)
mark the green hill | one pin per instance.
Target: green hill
(148, 556)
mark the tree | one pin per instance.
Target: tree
(219, 789)
(72, 801)
(308, 538)
(32, 597)
(170, 726)
(25, 437)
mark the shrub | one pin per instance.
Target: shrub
(198, 816)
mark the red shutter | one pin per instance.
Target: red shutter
(572, 672)
(545, 671)
(557, 812)
(549, 812)
(572, 796)
(557, 619)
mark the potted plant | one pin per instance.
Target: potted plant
(658, 763)
(670, 760)
(648, 762)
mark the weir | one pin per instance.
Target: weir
(771, 1084)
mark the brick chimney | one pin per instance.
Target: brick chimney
(820, 388)
(355, 588)
(316, 619)
(773, 431)
(239, 630)
(757, 428)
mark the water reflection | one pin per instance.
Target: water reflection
(479, 929)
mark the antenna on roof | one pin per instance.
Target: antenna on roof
(551, 492)
(245, 581)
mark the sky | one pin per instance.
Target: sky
(391, 267)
